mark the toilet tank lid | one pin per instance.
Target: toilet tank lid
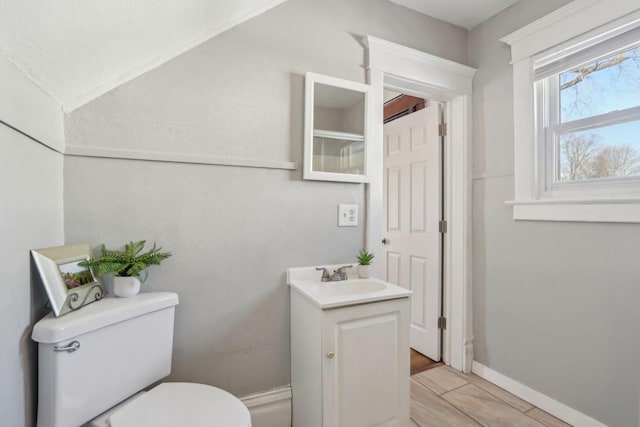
(99, 314)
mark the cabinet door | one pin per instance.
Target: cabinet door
(338, 115)
(365, 379)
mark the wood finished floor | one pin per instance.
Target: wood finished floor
(443, 397)
(421, 363)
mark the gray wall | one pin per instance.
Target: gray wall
(233, 231)
(555, 304)
(30, 217)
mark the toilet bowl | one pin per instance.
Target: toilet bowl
(178, 404)
(94, 362)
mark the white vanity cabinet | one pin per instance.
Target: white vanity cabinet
(350, 364)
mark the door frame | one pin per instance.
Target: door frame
(393, 66)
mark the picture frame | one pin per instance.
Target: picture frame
(68, 286)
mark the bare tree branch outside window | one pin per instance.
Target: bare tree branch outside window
(608, 84)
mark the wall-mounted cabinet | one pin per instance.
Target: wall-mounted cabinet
(337, 121)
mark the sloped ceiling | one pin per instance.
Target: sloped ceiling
(77, 50)
(463, 13)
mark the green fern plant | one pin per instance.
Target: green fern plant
(364, 257)
(127, 263)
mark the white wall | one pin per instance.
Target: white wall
(555, 304)
(80, 49)
(238, 94)
(30, 217)
(27, 107)
(233, 231)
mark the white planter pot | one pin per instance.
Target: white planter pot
(363, 271)
(126, 287)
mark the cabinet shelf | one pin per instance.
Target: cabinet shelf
(338, 136)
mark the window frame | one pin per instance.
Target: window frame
(573, 35)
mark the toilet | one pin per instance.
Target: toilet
(94, 363)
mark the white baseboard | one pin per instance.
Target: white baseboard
(542, 401)
(270, 408)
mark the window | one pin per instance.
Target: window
(576, 87)
(589, 119)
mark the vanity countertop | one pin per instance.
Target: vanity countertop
(353, 291)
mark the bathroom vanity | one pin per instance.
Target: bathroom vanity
(349, 351)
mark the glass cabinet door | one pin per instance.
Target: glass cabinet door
(336, 129)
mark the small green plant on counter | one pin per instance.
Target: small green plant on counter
(127, 263)
(364, 257)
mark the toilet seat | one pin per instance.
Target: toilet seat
(183, 404)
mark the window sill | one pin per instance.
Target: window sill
(578, 210)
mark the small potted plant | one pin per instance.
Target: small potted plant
(128, 266)
(364, 261)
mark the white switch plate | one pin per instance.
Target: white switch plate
(347, 215)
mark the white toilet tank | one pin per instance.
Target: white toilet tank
(123, 345)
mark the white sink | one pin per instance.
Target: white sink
(351, 287)
(306, 280)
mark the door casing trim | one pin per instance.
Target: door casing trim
(413, 72)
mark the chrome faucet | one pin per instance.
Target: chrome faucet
(338, 275)
(325, 274)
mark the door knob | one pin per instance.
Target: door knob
(385, 241)
(330, 355)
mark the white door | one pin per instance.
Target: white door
(412, 203)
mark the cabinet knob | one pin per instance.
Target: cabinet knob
(330, 355)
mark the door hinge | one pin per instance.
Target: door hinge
(442, 226)
(442, 322)
(442, 129)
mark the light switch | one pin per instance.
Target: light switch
(347, 215)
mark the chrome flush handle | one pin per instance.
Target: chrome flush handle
(69, 348)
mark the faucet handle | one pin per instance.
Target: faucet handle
(341, 271)
(325, 274)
